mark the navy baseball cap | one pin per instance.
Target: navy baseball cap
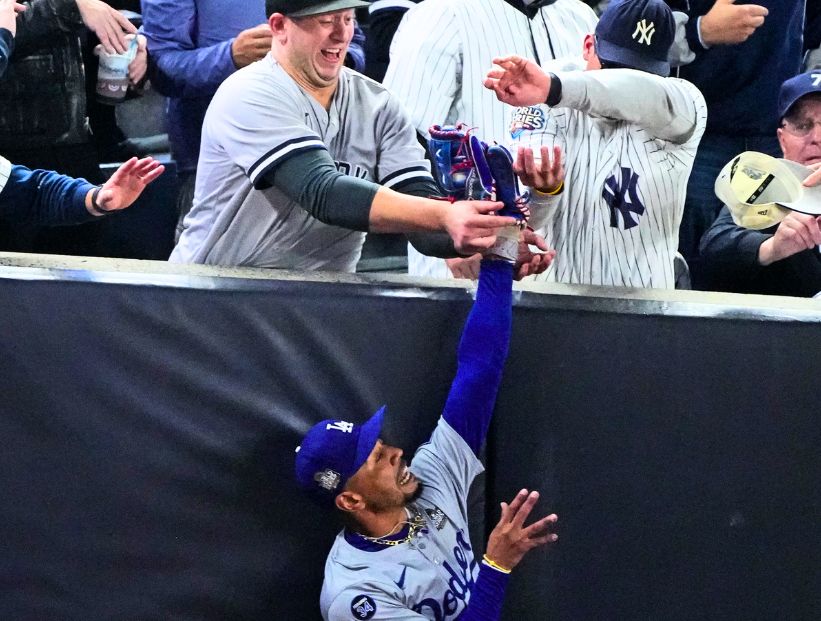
(331, 453)
(795, 88)
(302, 8)
(636, 34)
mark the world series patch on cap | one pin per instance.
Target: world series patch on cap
(760, 190)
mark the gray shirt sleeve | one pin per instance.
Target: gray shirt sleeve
(668, 108)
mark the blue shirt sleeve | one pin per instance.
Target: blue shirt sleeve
(44, 197)
(487, 596)
(481, 356)
(179, 68)
(6, 48)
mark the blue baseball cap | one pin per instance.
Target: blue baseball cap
(331, 453)
(795, 88)
(636, 34)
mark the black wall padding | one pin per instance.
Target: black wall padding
(148, 437)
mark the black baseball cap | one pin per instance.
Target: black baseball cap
(302, 8)
(795, 88)
(636, 34)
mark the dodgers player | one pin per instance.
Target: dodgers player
(442, 48)
(630, 138)
(406, 553)
(293, 149)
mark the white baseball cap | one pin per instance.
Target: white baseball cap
(761, 190)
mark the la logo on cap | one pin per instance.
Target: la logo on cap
(328, 479)
(644, 31)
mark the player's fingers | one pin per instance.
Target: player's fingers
(524, 510)
(515, 504)
(540, 526)
(152, 175)
(534, 239)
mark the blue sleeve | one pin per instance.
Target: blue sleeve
(487, 596)
(482, 354)
(355, 58)
(6, 48)
(44, 197)
(178, 67)
(732, 248)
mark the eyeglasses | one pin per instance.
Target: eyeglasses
(800, 129)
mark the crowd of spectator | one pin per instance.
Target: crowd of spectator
(290, 177)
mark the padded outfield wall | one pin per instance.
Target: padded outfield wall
(150, 414)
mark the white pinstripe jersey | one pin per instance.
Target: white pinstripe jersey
(442, 51)
(431, 576)
(257, 119)
(629, 140)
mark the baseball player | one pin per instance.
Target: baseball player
(301, 156)
(442, 48)
(629, 136)
(406, 552)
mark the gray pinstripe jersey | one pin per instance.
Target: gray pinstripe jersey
(429, 577)
(629, 140)
(442, 51)
(258, 118)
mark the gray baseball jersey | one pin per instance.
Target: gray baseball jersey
(629, 140)
(257, 119)
(429, 577)
(442, 51)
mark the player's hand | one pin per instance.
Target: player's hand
(127, 183)
(138, 67)
(471, 225)
(251, 45)
(728, 23)
(110, 26)
(467, 267)
(796, 232)
(543, 173)
(510, 540)
(8, 15)
(517, 81)
(528, 262)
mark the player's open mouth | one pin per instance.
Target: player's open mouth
(333, 54)
(405, 476)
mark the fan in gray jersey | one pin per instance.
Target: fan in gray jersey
(405, 552)
(301, 156)
(629, 136)
(440, 53)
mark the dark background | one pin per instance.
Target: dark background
(148, 436)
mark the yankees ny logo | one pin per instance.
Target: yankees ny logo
(644, 31)
(616, 195)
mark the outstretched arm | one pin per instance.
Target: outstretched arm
(482, 354)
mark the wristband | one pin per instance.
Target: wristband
(554, 93)
(493, 564)
(95, 207)
(552, 192)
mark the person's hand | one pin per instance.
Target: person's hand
(728, 23)
(471, 225)
(815, 177)
(517, 81)
(251, 45)
(8, 15)
(530, 263)
(510, 540)
(110, 26)
(543, 174)
(467, 267)
(796, 232)
(127, 183)
(138, 67)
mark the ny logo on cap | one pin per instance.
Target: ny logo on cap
(644, 31)
(328, 479)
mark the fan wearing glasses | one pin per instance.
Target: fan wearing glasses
(785, 259)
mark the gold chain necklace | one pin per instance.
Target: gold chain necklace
(414, 526)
